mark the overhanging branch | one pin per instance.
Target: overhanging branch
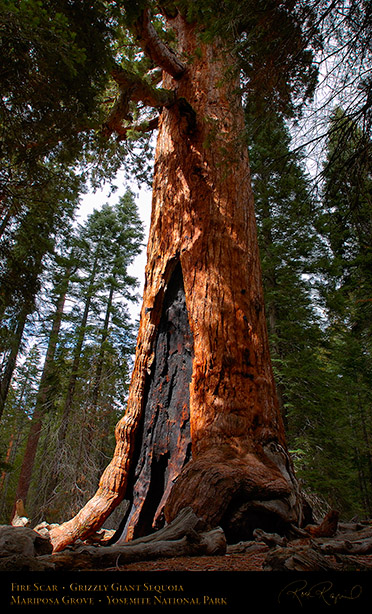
(123, 131)
(156, 49)
(137, 89)
(118, 114)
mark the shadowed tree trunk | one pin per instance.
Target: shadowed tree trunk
(61, 436)
(101, 355)
(43, 400)
(270, 283)
(202, 359)
(7, 459)
(11, 360)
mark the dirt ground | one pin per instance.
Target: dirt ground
(227, 562)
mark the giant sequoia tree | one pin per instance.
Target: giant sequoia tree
(202, 427)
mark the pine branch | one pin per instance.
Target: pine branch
(156, 49)
(136, 89)
(133, 88)
(147, 126)
(118, 113)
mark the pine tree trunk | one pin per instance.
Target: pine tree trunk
(203, 263)
(12, 358)
(270, 284)
(62, 431)
(43, 400)
(7, 459)
(101, 355)
(76, 361)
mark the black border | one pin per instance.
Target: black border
(226, 592)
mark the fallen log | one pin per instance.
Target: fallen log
(354, 563)
(298, 558)
(350, 526)
(326, 548)
(184, 522)
(182, 537)
(347, 547)
(94, 558)
(271, 539)
(249, 547)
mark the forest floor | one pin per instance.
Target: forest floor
(183, 546)
(328, 546)
(227, 562)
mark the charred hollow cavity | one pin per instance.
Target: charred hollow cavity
(163, 442)
(243, 517)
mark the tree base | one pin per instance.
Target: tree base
(240, 495)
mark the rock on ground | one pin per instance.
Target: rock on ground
(19, 547)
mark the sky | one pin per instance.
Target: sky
(91, 201)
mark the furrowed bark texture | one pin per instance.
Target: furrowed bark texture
(203, 225)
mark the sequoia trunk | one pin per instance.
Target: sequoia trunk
(203, 288)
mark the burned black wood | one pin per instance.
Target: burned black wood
(164, 441)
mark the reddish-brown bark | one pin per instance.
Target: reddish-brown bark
(7, 459)
(203, 219)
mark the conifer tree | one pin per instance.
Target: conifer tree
(345, 223)
(203, 281)
(24, 252)
(54, 58)
(18, 411)
(289, 248)
(99, 332)
(44, 400)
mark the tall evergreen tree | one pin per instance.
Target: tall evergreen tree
(100, 332)
(289, 247)
(24, 252)
(18, 411)
(44, 400)
(109, 241)
(345, 224)
(203, 275)
(54, 64)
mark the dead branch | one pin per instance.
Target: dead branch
(184, 522)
